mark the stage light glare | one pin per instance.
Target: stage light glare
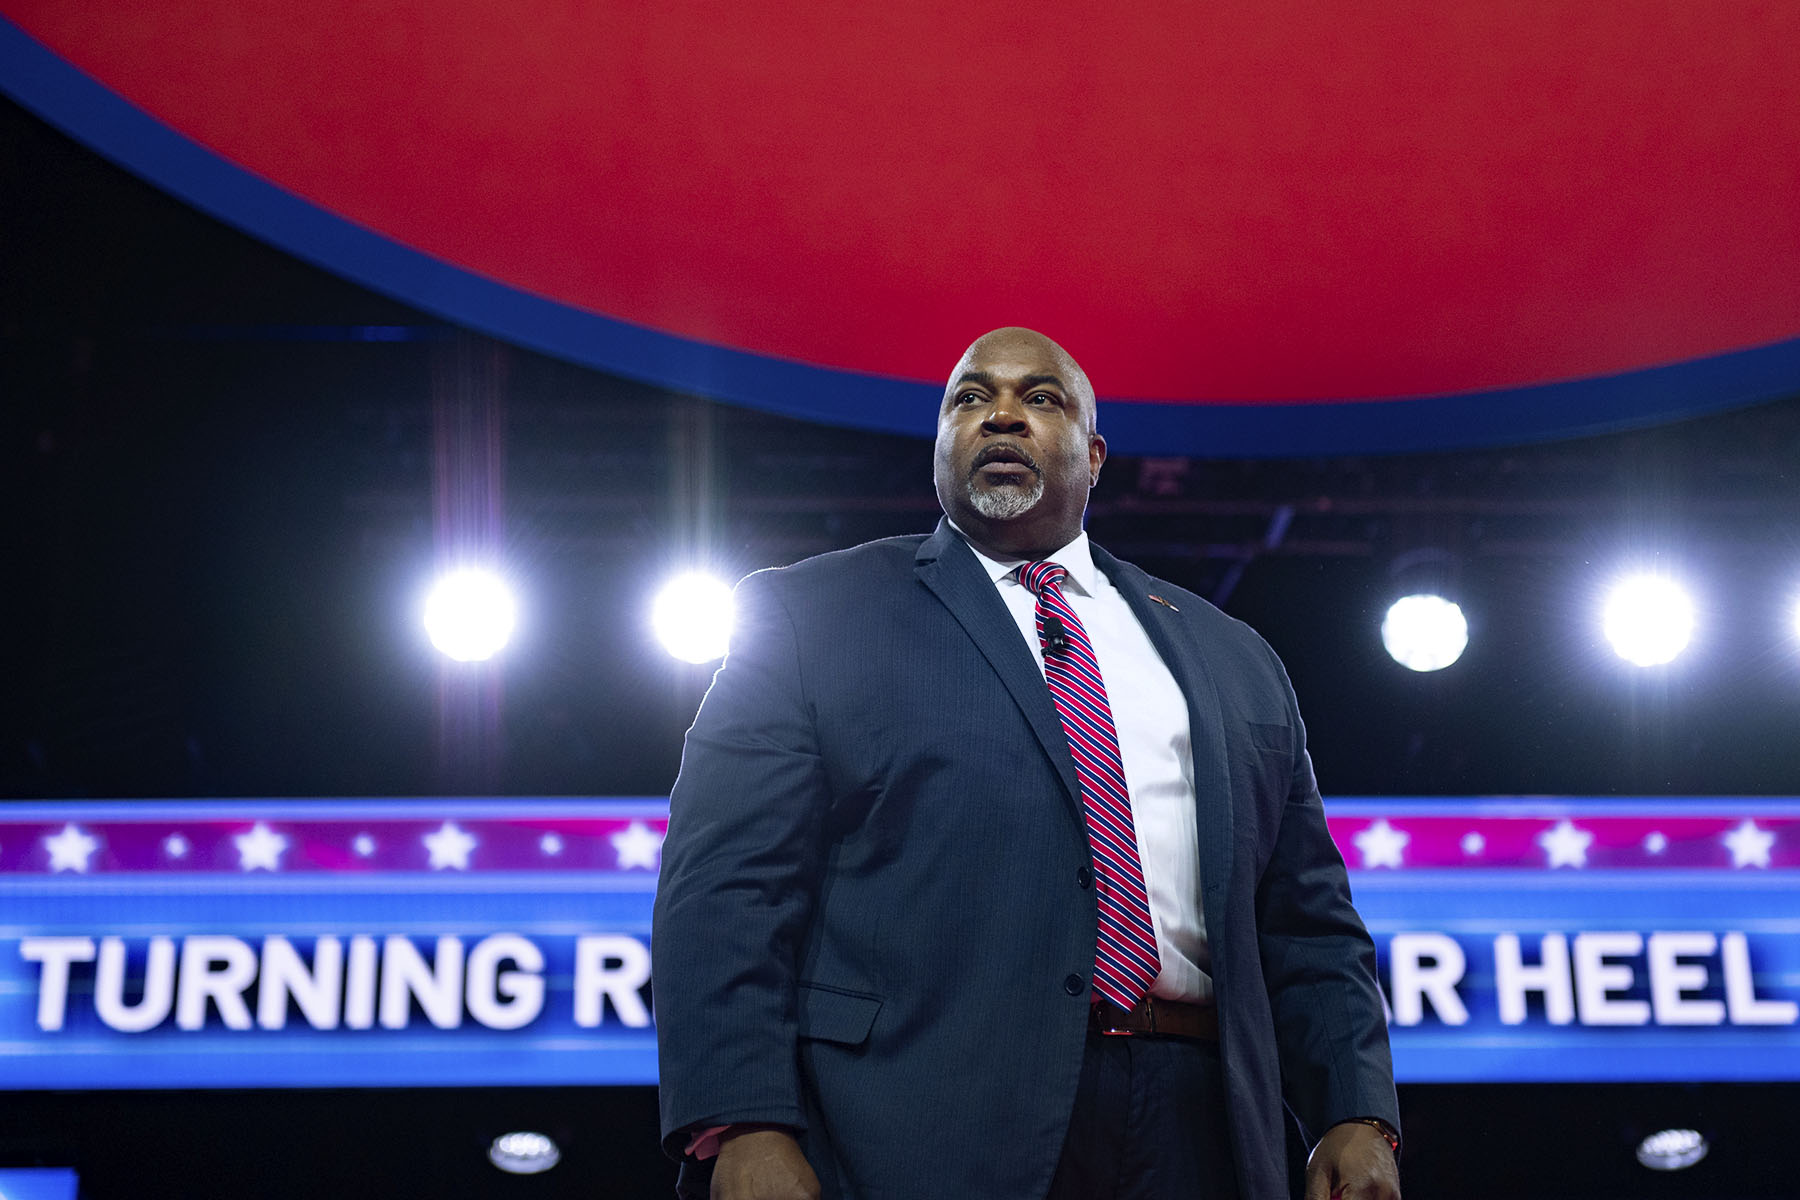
(1649, 620)
(1797, 617)
(1425, 633)
(692, 617)
(470, 614)
(1672, 1149)
(524, 1153)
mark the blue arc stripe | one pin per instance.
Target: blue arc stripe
(58, 92)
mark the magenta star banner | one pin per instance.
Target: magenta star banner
(1582, 940)
(495, 942)
(1265, 229)
(334, 943)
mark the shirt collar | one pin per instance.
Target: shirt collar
(1076, 558)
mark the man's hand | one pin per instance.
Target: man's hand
(1353, 1161)
(763, 1164)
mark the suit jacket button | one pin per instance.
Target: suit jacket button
(1074, 985)
(1084, 878)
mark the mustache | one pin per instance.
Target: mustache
(1003, 453)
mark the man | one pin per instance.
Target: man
(996, 868)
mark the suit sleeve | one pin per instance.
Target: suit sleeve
(740, 870)
(1319, 966)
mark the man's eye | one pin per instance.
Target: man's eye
(1041, 398)
(968, 397)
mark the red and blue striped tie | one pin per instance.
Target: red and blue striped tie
(1125, 959)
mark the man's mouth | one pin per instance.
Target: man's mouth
(1003, 465)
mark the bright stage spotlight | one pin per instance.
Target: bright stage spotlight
(470, 614)
(692, 617)
(524, 1153)
(1425, 633)
(1648, 620)
(1672, 1149)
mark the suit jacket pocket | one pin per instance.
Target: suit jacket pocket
(1275, 739)
(829, 1014)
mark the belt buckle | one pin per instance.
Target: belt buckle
(1113, 1028)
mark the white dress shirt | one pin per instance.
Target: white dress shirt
(1151, 717)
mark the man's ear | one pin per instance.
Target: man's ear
(1096, 457)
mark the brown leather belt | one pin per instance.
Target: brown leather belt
(1154, 1017)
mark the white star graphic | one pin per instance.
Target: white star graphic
(1566, 845)
(1749, 845)
(1655, 842)
(175, 846)
(550, 844)
(449, 847)
(1381, 844)
(70, 849)
(1473, 843)
(638, 845)
(363, 844)
(261, 847)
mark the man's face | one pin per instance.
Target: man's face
(1016, 451)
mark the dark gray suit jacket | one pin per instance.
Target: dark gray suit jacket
(869, 924)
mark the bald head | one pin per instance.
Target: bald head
(1016, 448)
(1016, 342)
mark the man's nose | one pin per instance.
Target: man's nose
(1006, 416)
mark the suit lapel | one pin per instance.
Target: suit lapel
(1183, 654)
(947, 566)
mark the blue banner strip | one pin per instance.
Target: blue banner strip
(481, 942)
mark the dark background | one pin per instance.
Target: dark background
(227, 475)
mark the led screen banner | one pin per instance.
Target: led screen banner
(37, 1183)
(1583, 940)
(327, 943)
(262, 943)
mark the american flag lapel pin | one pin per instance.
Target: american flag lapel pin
(1163, 602)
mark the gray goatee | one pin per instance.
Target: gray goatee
(1005, 503)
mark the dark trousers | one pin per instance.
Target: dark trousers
(1149, 1124)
